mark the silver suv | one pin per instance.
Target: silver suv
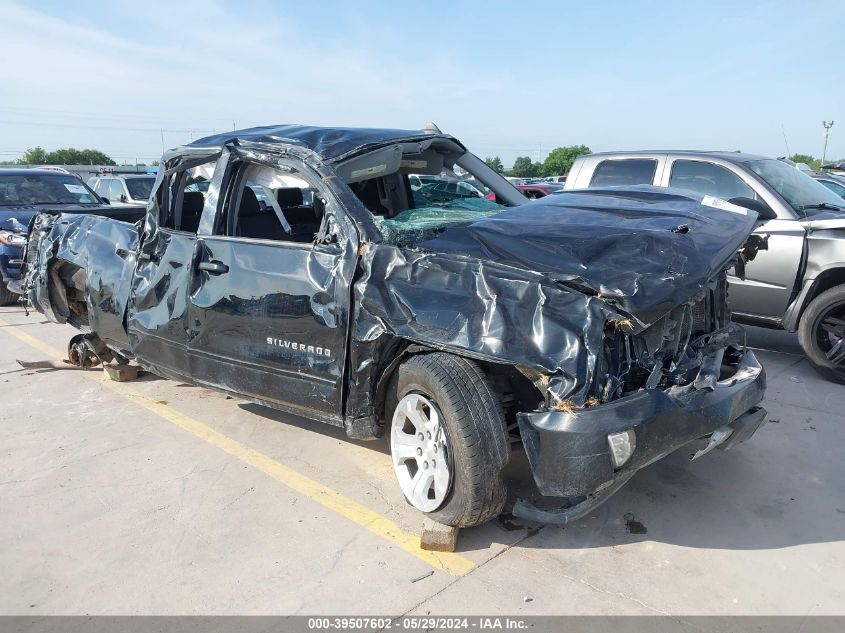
(128, 188)
(798, 282)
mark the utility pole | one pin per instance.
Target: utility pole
(827, 125)
(162, 139)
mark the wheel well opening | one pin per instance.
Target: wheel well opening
(824, 282)
(515, 392)
(67, 292)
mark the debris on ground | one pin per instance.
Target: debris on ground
(122, 373)
(48, 364)
(436, 537)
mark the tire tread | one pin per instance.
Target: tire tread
(478, 422)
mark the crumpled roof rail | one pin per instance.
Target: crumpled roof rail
(331, 144)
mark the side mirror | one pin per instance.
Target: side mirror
(123, 197)
(763, 210)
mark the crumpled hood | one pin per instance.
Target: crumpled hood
(644, 249)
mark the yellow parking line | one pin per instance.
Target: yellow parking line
(379, 525)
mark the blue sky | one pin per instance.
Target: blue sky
(507, 78)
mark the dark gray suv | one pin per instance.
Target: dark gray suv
(798, 283)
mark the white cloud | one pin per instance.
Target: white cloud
(114, 78)
(205, 68)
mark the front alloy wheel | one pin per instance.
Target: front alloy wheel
(448, 438)
(821, 333)
(420, 452)
(830, 335)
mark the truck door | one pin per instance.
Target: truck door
(157, 315)
(269, 310)
(769, 279)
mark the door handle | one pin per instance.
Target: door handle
(214, 267)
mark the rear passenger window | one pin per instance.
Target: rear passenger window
(630, 171)
(271, 204)
(181, 197)
(709, 179)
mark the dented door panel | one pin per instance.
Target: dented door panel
(157, 323)
(272, 326)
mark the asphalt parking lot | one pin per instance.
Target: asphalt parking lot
(153, 497)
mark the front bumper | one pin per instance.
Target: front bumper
(11, 260)
(569, 452)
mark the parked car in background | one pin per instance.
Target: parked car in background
(26, 192)
(798, 283)
(836, 167)
(538, 188)
(832, 181)
(442, 190)
(418, 180)
(123, 188)
(457, 325)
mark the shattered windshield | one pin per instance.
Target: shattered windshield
(805, 195)
(26, 189)
(412, 226)
(416, 190)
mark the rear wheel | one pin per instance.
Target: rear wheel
(822, 333)
(448, 439)
(7, 297)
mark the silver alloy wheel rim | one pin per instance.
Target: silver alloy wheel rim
(420, 452)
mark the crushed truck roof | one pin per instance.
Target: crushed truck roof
(330, 143)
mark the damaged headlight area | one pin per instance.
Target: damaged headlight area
(688, 345)
(693, 345)
(654, 389)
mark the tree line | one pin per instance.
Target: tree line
(557, 163)
(66, 156)
(814, 163)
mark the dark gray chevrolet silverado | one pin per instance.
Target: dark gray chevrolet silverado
(295, 267)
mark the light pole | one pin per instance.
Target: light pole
(827, 125)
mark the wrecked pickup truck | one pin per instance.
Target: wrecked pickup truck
(295, 267)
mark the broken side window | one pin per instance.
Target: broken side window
(272, 204)
(181, 197)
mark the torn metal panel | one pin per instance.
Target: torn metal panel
(480, 309)
(100, 253)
